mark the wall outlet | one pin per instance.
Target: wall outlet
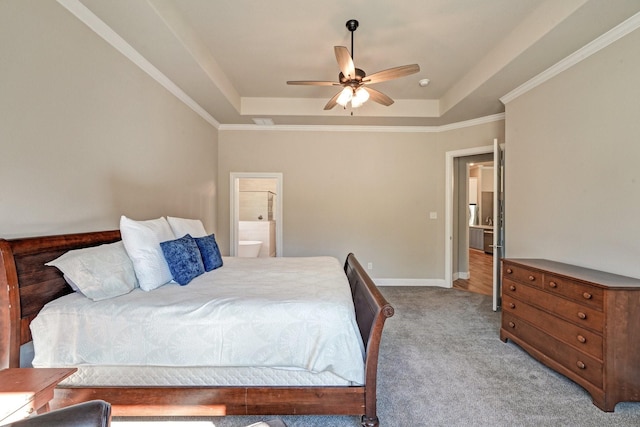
(369, 266)
(433, 215)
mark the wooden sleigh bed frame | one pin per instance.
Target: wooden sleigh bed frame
(26, 285)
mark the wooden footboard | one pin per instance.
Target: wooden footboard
(372, 309)
(26, 285)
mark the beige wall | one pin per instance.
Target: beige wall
(364, 192)
(86, 136)
(572, 175)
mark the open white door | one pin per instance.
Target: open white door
(498, 222)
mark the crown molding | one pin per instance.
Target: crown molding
(472, 122)
(378, 129)
(86, 16)
(98, 26)
(586, 51)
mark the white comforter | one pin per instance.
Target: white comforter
(292, 313)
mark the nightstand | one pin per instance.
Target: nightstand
(27, 390)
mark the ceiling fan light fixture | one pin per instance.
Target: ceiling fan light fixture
(360, 98)
(362, 95)
(345, 96)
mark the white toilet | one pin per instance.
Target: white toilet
(249, 248)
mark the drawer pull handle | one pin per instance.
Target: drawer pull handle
(553, 284)
(511, 287)
(512, 305)
(582, 315)
(587, 295)
(531, 278)
(512, 325)
(582, 339)
(581, 364)
(509, 271)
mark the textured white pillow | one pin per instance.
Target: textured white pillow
(98, 272)
(182, 226)
(142, 241)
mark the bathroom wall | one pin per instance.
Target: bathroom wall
(256, 199)
(256, 205)
(263, 231)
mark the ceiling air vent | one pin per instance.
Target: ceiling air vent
(263, 122)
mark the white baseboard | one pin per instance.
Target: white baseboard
(411, 282)
(461, 275)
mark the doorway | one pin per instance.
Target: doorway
(454, 215)
(473, 270)
(256, 214)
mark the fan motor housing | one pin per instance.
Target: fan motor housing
(360, 75)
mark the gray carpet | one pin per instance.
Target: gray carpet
(443, 364)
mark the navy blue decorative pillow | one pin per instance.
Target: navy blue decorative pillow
(210, 252)
(184, 259)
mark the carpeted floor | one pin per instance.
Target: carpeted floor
(443, 364)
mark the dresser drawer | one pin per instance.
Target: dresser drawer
(581, 364)
(522, 275)
(578, 314)
(580, 338)
(579, 292)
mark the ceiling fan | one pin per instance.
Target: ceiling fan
(354, 79)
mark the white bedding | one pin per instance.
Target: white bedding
(290, 313)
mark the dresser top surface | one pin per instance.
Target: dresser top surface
(596, 277)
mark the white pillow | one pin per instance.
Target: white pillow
(182, 226)
(142, 241)
(72, 283)
(98, 272)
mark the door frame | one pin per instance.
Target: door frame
(234, 206)
(498, 221)
(450, 183)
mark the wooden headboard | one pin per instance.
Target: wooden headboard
(26, 284)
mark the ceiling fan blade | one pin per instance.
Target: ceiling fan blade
(312, 83)
(392, 73)
(332, 102)
(378, 97)
(345, 62)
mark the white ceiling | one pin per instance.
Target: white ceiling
(233, 57)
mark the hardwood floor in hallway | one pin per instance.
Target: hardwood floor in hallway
(480, 274)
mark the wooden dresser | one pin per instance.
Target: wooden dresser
(583, 323)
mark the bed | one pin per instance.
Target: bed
(26, 285)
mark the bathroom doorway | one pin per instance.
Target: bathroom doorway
(256, 214)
